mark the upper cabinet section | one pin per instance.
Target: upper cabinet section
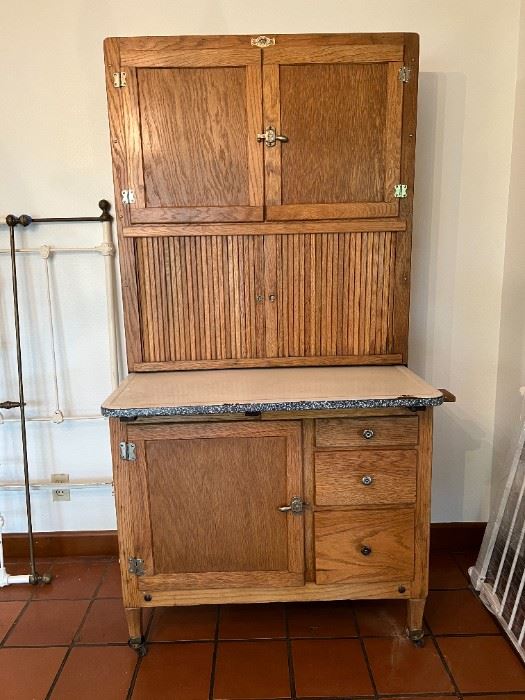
(218, 129)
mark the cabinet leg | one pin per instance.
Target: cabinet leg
(416, 607)
(136, 639)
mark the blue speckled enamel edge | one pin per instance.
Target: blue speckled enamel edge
(151, 412)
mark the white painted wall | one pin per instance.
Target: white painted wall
(511, 370)
(55, 160)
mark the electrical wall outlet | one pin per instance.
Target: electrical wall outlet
(61, 494)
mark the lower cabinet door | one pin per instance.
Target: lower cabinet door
(364, 545)
(210, 496)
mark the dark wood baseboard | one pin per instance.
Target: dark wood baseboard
(87, 543)
(444, 537)
(456, 537)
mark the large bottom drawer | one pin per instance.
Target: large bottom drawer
(364, 545)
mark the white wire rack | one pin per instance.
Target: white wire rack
(107, 250)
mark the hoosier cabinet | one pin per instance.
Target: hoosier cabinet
(269, 443)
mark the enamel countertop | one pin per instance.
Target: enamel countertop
(206, 392)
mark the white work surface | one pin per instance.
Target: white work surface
(296, 388)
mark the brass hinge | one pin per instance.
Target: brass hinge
(128, 197)
(136, 566)
(400, 191)
(128, 452)
(119, 79)
(404, 74)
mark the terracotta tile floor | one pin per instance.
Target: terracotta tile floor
(67, 641)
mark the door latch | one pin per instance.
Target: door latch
(296, 507)
(270, 137)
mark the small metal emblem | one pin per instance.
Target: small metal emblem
(263, 41)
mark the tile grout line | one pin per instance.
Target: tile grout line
(16, 620)
(431, 636)
(214, 655)
(364, 652)
(73, 640)
(291, 670)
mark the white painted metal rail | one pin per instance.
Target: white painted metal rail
(499, 573)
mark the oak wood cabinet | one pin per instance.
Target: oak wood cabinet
(264, 190)
(264, 197)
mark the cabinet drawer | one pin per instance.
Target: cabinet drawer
(366, 432)
(364, 545)
(365, 477)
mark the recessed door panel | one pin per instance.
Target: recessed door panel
(211, 506)
(191, 127)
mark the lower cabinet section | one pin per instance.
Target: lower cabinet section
(300, 508)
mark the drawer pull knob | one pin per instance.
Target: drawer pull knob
(365, 551)
(368, 434)
(367, 480)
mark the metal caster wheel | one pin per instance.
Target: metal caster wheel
(417, 637)
(138, 644)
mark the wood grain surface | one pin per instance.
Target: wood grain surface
(213, 493)
(349, 432)
(193, 125)
(243, 297)
(335, 118)
(339, 477)
(340, 537)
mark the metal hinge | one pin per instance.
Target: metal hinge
(128, 197)
(404, 74)
(136, 566)
(127, 451)
(400, 191)
(119, 79)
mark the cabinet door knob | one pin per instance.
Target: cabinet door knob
(366, 550)
(272, 297)
(368, 434)
(367, 480)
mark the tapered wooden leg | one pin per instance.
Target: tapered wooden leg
(416, 607)
(136, 639)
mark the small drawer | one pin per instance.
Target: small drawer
(366, 432)
(364, 545)
(365, 477)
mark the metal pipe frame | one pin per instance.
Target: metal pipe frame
(25, 220)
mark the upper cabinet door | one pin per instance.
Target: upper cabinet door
(339, 109)
(191, 117)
